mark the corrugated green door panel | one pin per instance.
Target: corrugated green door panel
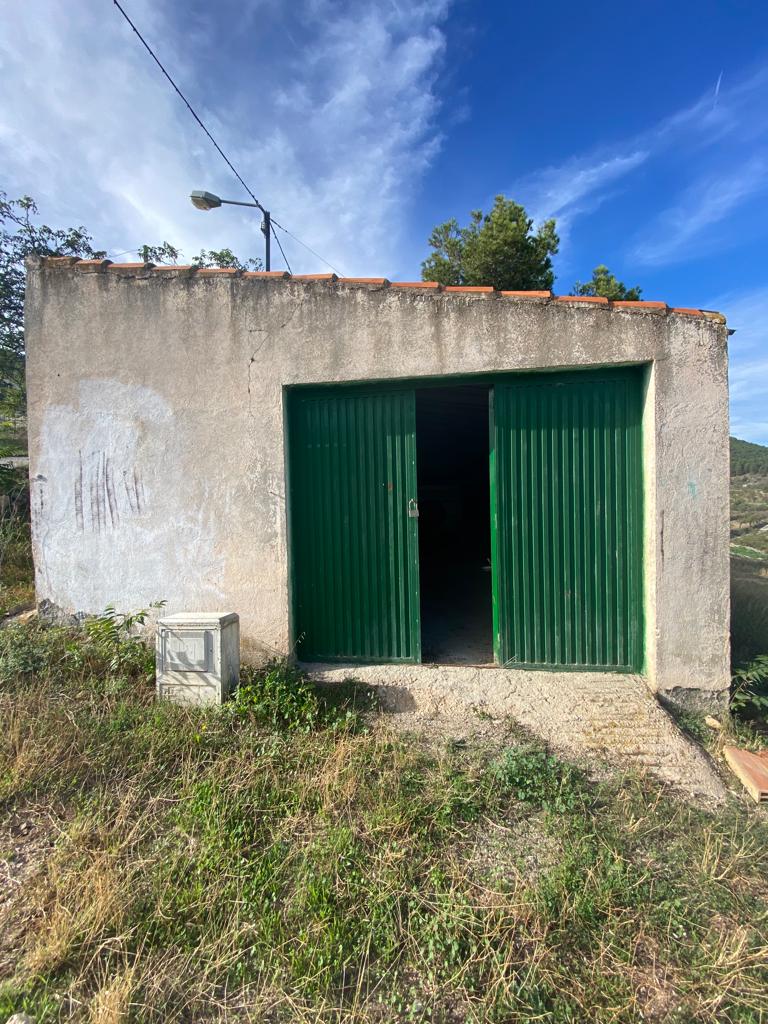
(355, 548)
(567, 507)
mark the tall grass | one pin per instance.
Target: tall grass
(283, 859)
(16, 570)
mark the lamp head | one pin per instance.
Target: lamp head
(205, 200)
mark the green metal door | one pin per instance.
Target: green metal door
(566, 495)
(354, 524)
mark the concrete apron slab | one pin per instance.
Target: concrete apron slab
(605, 716)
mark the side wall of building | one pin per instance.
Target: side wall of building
(156, 418)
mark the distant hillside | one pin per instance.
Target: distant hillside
(747, 457)
(749, 550)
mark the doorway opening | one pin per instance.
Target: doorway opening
(452, 442)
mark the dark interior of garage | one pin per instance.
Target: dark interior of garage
(454, 525)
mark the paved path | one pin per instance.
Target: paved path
(608, 717)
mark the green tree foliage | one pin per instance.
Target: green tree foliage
(499, 248)
(747, 457)
(224, 258)
(605, 284)
(21, 237)
(165, 253)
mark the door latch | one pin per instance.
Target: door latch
(413, 509)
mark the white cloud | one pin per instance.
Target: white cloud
(730, 110)
(704, 204)
(331, 119)
(577, 185)
(747, 315)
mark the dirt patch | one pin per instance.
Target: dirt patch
(518, 849)
(599, 717)
(656, 997)
(27, 837)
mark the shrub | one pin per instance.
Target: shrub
(16, 570)
(749, 689)
(106, 647)
(280, 695)
(27, 651)
(535, 777)
(111, 639)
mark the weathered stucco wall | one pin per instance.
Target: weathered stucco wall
(156, 412)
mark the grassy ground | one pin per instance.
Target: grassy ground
(749, 608)
(17, 589)
(16, 570)
(13, 437)
(280, 859)
(749, 515)
(749, 567)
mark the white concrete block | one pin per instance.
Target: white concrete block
(198, 657)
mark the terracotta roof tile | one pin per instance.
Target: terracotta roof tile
(639, 304)
(434, 285)
(94, 266)
(267, 273)
(380, 281)
(188, 268)
(527, 295)
(468, 288)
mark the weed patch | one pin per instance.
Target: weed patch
(534, 777)
(749, 690)
(288, 858)
(283, 697)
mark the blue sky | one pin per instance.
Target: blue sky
(642, 128)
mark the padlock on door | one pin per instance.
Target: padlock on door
(413, 509)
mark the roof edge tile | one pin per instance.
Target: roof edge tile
(92, 266)
(267, 274)
(59, 261)
(481, 288)
(97, 266)
(527, 295)
(599, 299)
(432, 285)
(639, 304)
(382, 282)
(131, 266)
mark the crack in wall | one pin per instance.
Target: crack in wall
(266, 332)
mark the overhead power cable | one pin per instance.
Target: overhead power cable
(188, 105)
(308, 248)
(280, 246)
(218, 148)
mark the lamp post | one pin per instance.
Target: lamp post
(208, 201)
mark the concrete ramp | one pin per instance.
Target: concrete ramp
(611, 718)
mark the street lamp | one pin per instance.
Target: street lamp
(208, 201)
